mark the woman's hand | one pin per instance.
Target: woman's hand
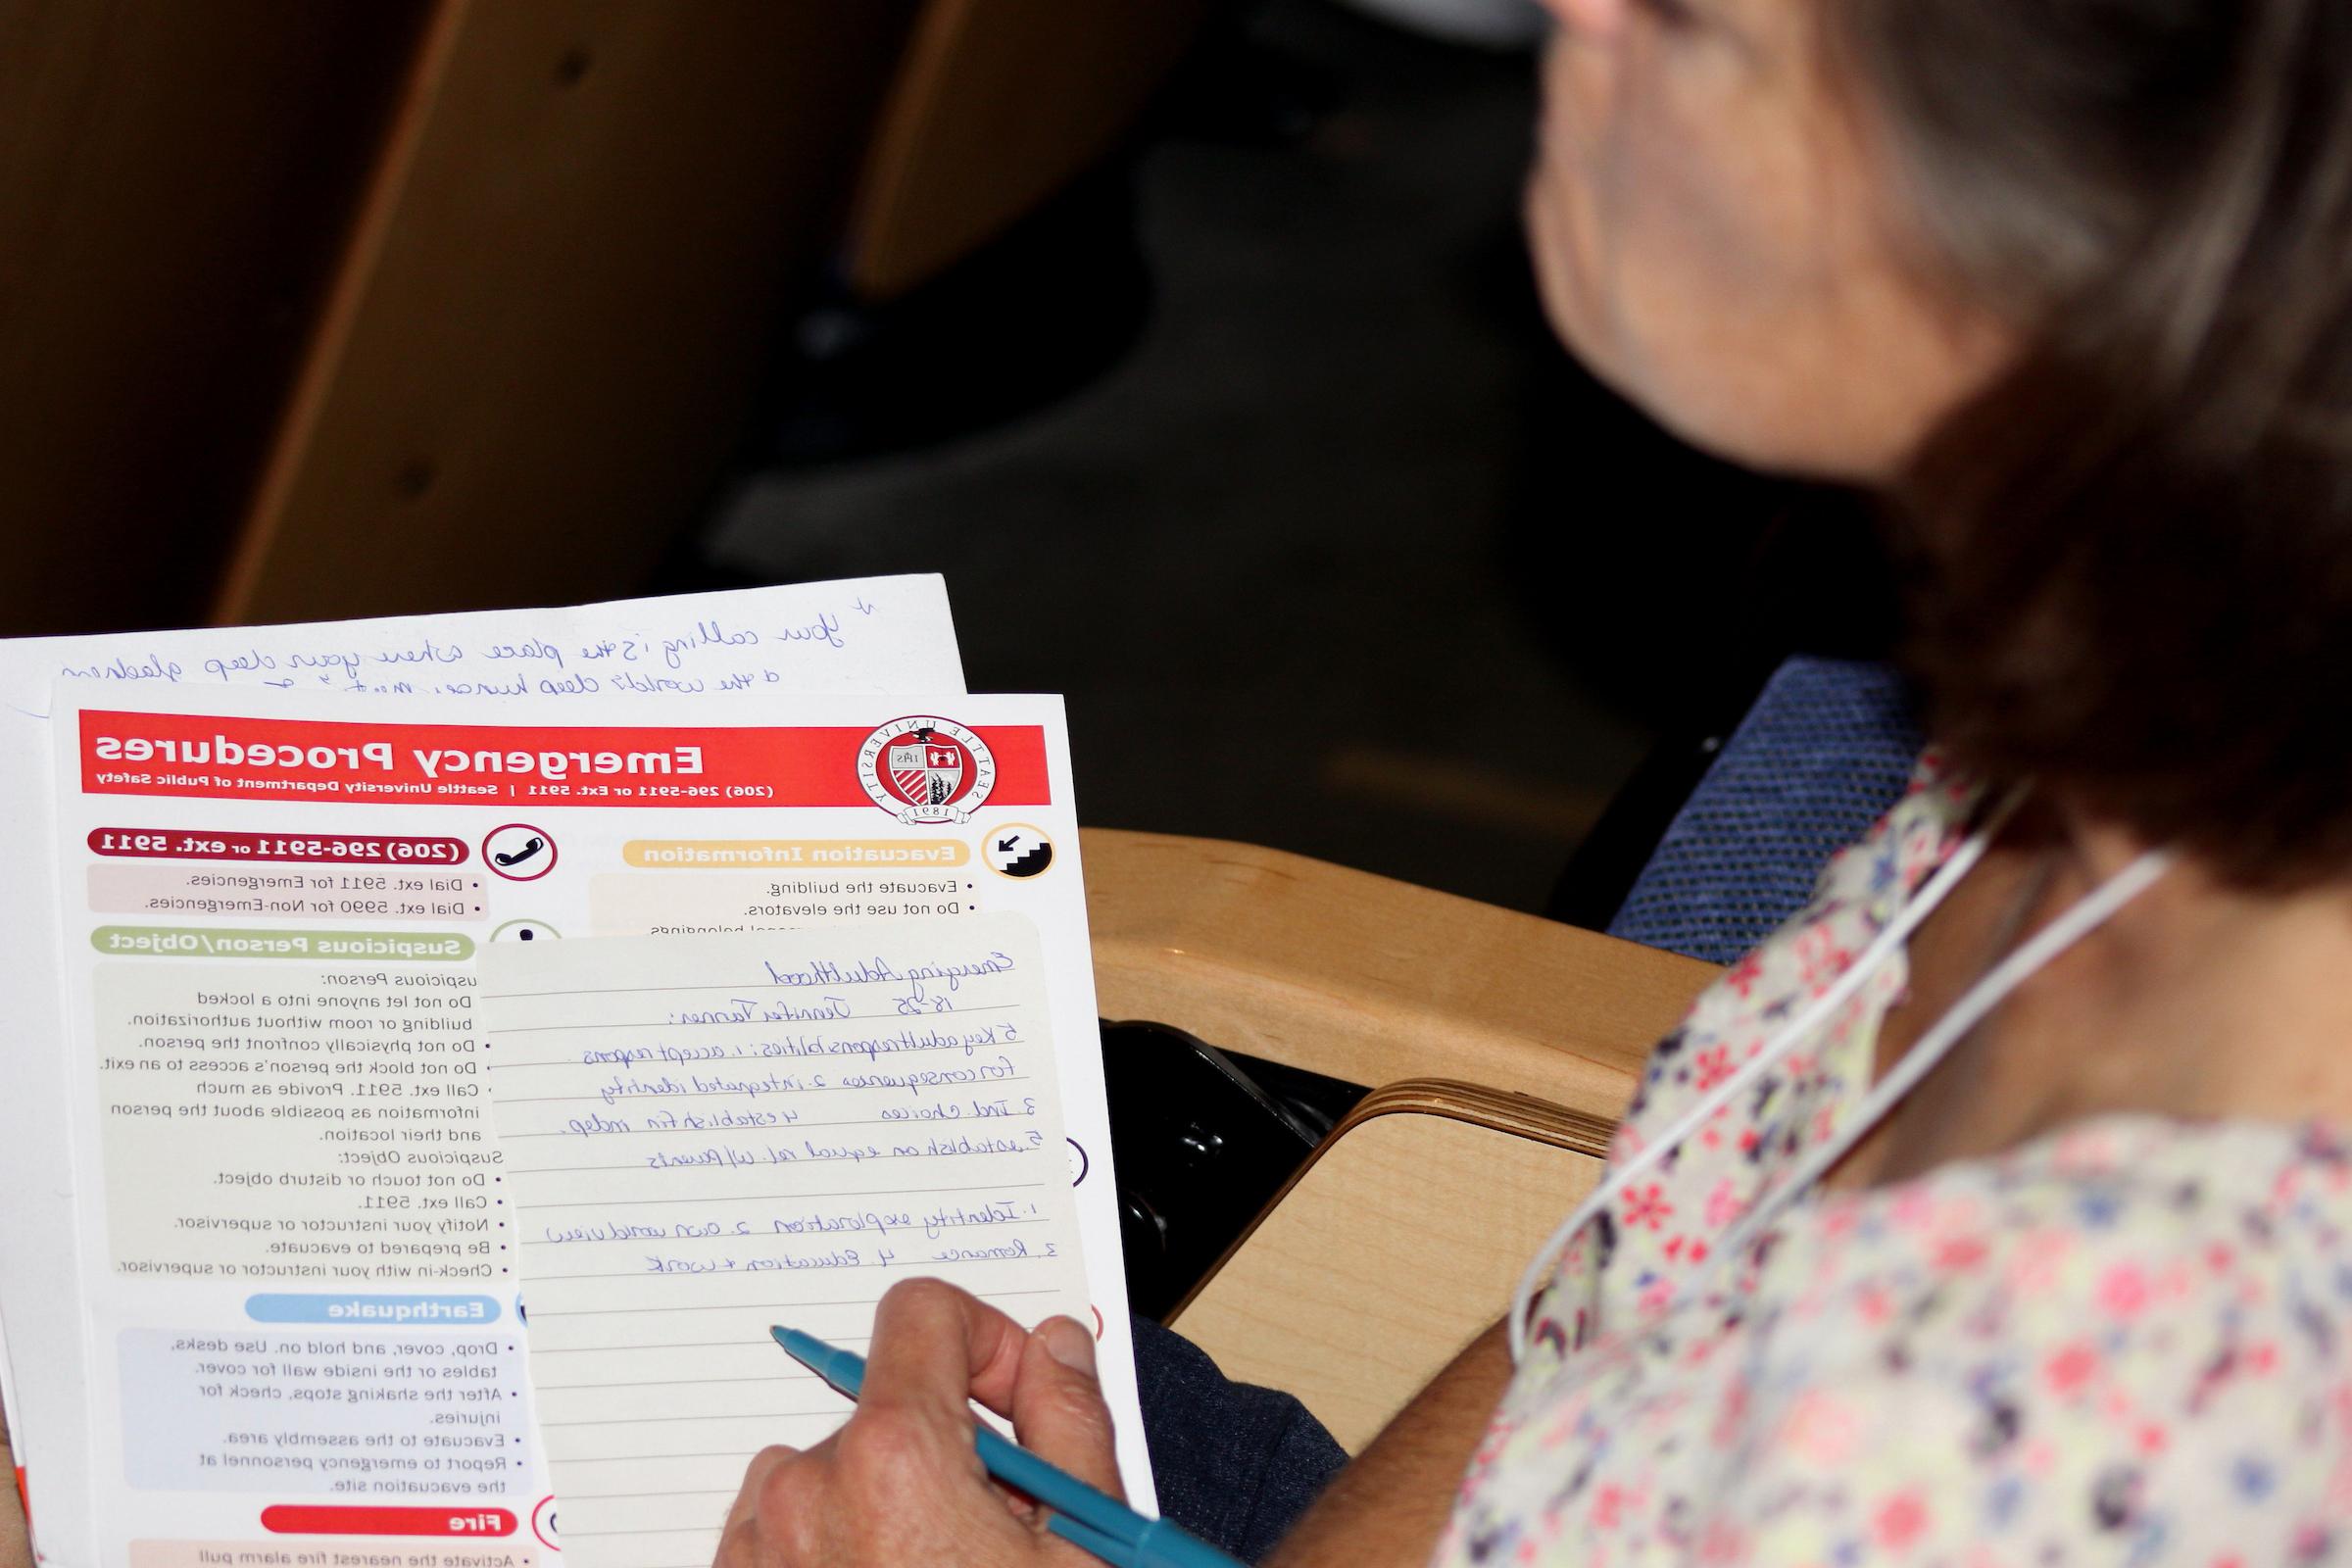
(901, 1483)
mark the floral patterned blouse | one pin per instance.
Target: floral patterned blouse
(2127, 1342)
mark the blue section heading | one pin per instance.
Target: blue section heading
(374, 1311)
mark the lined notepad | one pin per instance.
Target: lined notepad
(707, 1135)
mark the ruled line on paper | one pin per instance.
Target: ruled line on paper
(846, 1017)
(857, 1301)
(859, 1192)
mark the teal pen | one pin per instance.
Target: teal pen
(1081, 1515)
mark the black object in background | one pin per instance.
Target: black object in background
(1816, 579)
(1202, 1139)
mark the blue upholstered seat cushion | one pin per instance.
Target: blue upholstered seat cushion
(1827, 748)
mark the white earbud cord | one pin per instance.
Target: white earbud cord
(1798, 1029)
(2085, 915)
(2093, 910)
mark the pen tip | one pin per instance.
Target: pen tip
(780, 1334)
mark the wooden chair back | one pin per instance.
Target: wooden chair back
(313, 311)
(174, 184)
(580, 229)
(998, 105)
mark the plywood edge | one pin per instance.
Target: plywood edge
(1498, 1111)
(322, 358)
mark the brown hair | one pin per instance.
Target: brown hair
(2129, 561)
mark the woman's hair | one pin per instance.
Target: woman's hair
(2129, 561)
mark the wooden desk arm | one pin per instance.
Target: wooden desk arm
(1398, 1243)
(1369, 979)
(1500, 1048)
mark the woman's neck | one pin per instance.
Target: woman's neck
(2196, 1000)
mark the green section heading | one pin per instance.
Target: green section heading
(193, 941)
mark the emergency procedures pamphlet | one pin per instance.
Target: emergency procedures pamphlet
(306, 1253)
(699, 656)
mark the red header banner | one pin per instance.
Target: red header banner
(907, 762)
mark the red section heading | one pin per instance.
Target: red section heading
(457, 1519)
(478, 764)
(351, 849)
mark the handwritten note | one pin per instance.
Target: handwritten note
(706, 656)
(871, 635)
(709, 1135)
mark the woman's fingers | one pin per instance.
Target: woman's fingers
(1057, 1409)
(901, 1482)
(740, 1544)
(753, 1476)
(936, 1347)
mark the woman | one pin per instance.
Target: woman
(2071, 280)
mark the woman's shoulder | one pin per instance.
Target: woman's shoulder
(2221, 1199)
(2134, 1330)
(1859, 890)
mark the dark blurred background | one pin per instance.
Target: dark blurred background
(1191, 339)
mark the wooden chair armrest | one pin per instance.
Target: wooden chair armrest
(1368, 979)
(1399, 1243)
(1500, 1048)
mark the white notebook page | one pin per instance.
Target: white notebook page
(709, 1135)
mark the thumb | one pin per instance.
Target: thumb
(1058, 1412)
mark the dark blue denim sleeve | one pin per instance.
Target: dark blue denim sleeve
(1234, 1464)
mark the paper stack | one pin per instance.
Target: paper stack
(444, 1046)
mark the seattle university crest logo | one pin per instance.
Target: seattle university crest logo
(926, 769)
